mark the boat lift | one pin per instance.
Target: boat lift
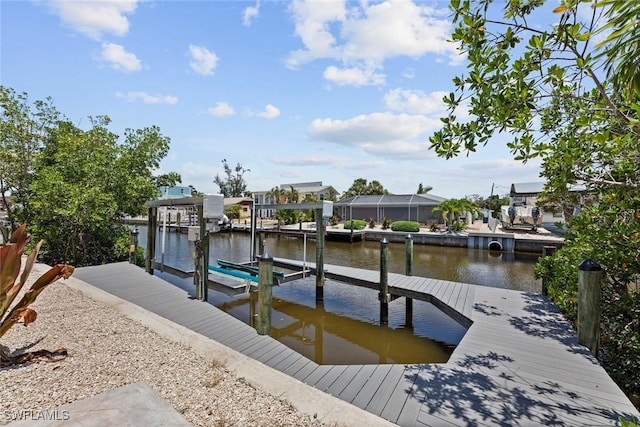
(212, 207)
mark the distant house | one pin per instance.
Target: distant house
(175, 192)
(245, 204)
(524, 196)
(315, 189)
(395, 207)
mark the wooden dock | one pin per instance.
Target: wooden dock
(519, 363)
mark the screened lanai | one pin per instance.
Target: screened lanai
(395, 207)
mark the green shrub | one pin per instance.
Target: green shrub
(409, 226)
(372, 223)
(355, 224)
(433, 226)
(386, 223)
(334, 220)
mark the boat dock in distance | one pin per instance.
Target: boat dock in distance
(519, 363)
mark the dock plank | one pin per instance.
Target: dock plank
(518, 363)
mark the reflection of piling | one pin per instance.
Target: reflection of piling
(261, 240)
(589, 276)
(547, 251)
(133, 247)
(408, 314)
(319, 257)
(383, 296)
(265, 283)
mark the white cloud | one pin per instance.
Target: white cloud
(327, 161)
(366, 34)
(353, 77)
(250, 13)
(119, 58)
(221, 109)
(147, 98)
(203, 61)
(415, 101)
(270, 112)
(312, 21)
(382, 134)
(95, 18)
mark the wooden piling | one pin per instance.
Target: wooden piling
(319, 257)
(203, 261)
(408, 312)
(383, 296)
(265, 284)
(133, 247)
(152, 228)
(589, 277)
(408, 246)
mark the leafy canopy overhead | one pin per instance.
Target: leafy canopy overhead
(553, 90)
(569, 95)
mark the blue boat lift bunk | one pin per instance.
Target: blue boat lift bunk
(245, 271)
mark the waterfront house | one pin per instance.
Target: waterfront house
(395, 207)
(524, 196)
(315, 189)
(245, 204)
(174, 192)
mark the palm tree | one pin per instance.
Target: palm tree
(292, 195)
(453, 209)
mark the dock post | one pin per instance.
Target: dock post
(202, 259)
(408, 313)
(319, 257)
(179, 228)
(265, 283)
(547, 251)
(383, 296)
(152, 226)
(133, 247)
(261, 239)
(589, 277)
(408, 246)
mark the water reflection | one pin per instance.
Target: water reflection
(346, 330)
(467, 265)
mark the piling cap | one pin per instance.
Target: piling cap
(265, 256)
(588, 265)
(409, 236)
(384, 241)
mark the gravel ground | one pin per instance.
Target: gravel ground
(106, 350)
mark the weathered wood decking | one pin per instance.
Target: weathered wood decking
(518, 364)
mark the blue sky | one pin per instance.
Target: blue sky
(296, 91)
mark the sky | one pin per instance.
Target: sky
(294, 91)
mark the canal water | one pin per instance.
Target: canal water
(346, 329)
